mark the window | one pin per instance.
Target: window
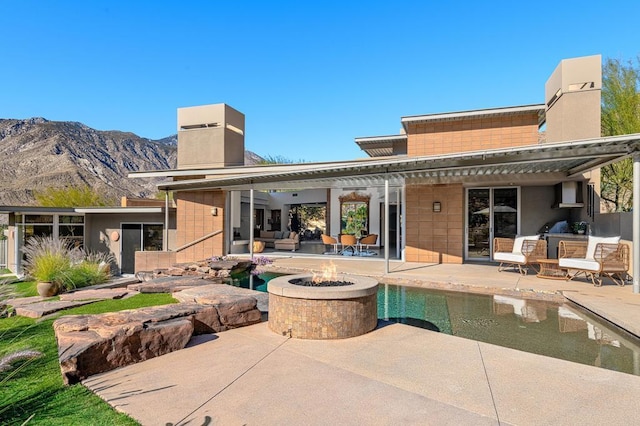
(591, 201)
(354, 214)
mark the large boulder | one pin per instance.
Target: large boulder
(91, 344)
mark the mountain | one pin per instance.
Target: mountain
(36, 153)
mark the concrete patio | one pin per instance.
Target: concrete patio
(396, 374)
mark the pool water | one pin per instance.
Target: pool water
(561, 331)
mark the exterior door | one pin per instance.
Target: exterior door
(491, 212)
(131, 243)
(138, 237)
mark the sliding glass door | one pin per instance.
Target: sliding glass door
(491, 212)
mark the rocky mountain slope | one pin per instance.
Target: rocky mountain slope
(36, 153)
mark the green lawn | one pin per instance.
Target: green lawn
(35, 387)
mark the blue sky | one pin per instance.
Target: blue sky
(309, 76)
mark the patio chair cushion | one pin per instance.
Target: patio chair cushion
(575, 263)
(519, 241)
(509, 257)
(593, 241)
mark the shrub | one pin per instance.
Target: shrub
(47, 259)
(57, 261)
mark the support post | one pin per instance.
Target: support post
(165, 236)
(398, 215)
(635, 244)
(386, 225)
(251, 223)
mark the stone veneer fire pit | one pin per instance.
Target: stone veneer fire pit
(322, 312)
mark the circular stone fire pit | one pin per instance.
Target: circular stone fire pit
(317, 312)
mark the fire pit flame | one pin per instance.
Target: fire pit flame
(329, 273)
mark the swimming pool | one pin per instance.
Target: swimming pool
(562, 331)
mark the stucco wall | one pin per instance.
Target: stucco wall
(100, 227)
(535, 209)
(195, 220)
(434, 237)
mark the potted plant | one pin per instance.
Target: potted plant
(579, 227)
(47, 261)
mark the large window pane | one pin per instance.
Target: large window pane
(71, 219)
(152, 237)
(38, 218)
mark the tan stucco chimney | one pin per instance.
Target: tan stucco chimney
(210, 136)
(572, 95)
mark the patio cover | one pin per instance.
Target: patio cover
(549, 162)
(544, 162)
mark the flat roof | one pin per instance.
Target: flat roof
(81, 210)
(35, 209)
(121, 210)
(478, 113)
(380, 146)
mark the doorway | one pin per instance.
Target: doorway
(491, 212)
(138, 237)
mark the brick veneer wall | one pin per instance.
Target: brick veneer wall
(435, 237)
(446, 137)
(194, 220)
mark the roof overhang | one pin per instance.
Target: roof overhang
(35, 210)
(479, 113)
(120, 210)
(547, 161)
(78, 210)
(381, 146)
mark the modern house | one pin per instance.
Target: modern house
(438, 192)
(138, 225)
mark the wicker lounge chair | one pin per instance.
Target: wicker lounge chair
(519, 252)
(595, 258)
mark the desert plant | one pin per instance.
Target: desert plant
(47, 259)
(6, 292)
(58, 261)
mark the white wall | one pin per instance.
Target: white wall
(376, 204)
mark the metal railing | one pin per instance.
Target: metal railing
(194, 242)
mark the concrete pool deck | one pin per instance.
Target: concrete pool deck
(396, 374)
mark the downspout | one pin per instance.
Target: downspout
(636, 224)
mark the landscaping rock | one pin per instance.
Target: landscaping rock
(169, 284)
(91, 344)
(22, 301)
(40, 309)
(218, 294)
(99, 294)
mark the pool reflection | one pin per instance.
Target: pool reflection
(541, 327)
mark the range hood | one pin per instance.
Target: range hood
(568, 195)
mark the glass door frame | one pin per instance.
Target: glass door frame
(491, 219)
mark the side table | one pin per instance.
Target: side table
(550, 269)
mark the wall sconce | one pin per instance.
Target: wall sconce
(437, 206)
(214, 211)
